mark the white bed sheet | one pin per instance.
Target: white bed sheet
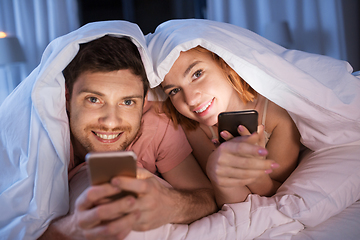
(345, 225)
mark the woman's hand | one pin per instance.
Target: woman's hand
(235, 164)
(239, 161)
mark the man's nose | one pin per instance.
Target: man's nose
(110, 117)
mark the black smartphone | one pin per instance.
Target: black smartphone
(230, 121)
(103, 166)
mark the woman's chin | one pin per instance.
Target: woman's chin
(209, 122)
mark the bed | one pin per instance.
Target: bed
(318, 201)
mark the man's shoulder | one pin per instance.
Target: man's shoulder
(153, 114)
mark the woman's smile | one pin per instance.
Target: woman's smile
(204, 108)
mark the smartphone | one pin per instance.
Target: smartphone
(103, 166)
(231, 120)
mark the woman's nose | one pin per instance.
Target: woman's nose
(192, 96)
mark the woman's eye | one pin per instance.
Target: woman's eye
(174, 91)
(128, 102)
(198, 73)
(94, 100)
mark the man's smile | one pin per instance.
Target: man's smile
(108, 137)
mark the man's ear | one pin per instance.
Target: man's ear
(67, 98)
(145, 100)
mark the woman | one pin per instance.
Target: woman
(197, 59)
(200, 86)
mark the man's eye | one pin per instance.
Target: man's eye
(174, 91)
(128, 102)
(94, 100)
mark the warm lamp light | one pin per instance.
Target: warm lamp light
(2, 34)
(10, 50)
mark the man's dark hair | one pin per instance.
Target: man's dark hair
(106, 54)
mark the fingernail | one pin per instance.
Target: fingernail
(262, 151)
(241, 128)
(224, 134)
(275, 165)
(131, 201)
(114, 181)
(268, 171)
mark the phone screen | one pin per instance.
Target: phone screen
(230, 121)
(103, 166)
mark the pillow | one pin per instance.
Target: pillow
(345, 225)
(324, 184)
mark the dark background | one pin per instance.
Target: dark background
(148, 14)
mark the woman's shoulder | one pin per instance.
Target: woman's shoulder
(277, 117)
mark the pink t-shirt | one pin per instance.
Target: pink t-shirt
(159, 146)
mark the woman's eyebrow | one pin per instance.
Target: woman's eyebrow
(168, 86)
(190, 67)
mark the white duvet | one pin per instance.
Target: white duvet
(319, 92)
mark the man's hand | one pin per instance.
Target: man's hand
(153, 202)
(99, 218)
(95, 217)
(157, 204)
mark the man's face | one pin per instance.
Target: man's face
(105, 110)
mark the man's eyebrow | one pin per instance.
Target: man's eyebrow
(85, 90)
(101, 94)
(190, 67)
(133, 96)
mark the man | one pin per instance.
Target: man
(105, 91)
(106, 88)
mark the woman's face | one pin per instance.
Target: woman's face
(198, 87)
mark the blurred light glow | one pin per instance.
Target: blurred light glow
(3, 34)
